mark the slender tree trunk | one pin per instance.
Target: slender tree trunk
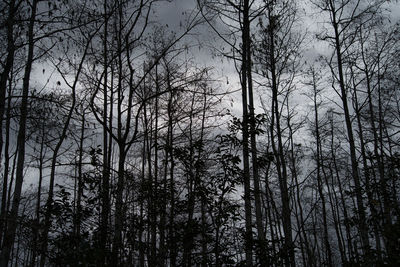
(78, 216)
(253, 142)
(7, 68)
(280, 156)
(12, 176)
(119, 209)
(39, 195)
(152, 216)
(105, 201)
(63, 136)
(121, 140)
(335, 172)
(377, 142)
(163, 215)
(245, 133)
(365, 165)
(142, 199)
(204, 258)
(171, 235)
(4, 202)
(269, 208)
(154, 193)
(9, 237)
(3, 88)
(318, 169)
(363, 227)
(192, 187)
(334, 202)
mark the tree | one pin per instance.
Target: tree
(9, 62)
(343, 16)
(117, 147)
(315, 95)
(9, 237)
(61, 138)
(238, 16)
(277, 63)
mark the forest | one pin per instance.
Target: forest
(200, 133)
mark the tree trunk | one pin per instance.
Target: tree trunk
(9, 237)
(319, 176)
(4, 202)
(105, 201)
(280, 155)
(39, 194)
(6, 71)
(363, 227)
(245, 133)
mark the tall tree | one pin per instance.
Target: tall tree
(238, 17)
(343, 15)
(278, 51)
(9, 237)
(61, 139)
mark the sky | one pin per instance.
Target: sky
(174, 15)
